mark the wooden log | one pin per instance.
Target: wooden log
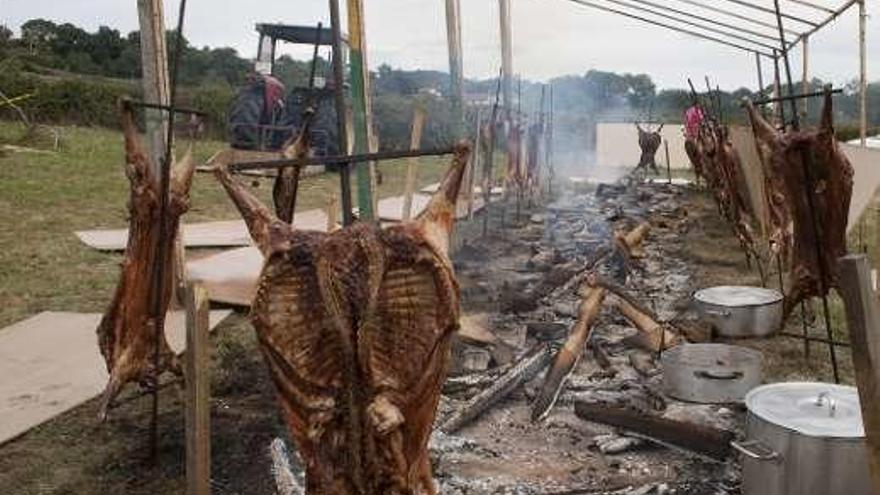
(570, 354)
(507, 383)
(332, 212)
(415, 142)
(863, 321)
(198, 406)
(631, 242)
(697, 438)
(657, 336)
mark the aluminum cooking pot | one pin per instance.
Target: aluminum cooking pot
(741, 311)
(710, 373)
(804, 439)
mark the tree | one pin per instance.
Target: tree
(37, 33)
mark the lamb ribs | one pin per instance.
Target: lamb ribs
(796, 159)
(356, 326)
(126, 333)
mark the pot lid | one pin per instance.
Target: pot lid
(812, 409)
(719, 356)
(738, 295)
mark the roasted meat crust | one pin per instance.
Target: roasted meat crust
(356, 327)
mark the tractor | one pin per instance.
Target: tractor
(264, 115)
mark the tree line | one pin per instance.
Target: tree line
(75, 76)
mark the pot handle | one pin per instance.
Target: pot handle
(718, 375)
(765, 454)
(724, 313)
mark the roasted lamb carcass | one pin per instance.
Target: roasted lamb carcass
(356, 327)
(780, 234)
(802, 158)
(649, 142)
(126, 334)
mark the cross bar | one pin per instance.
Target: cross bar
(334, 160)
(695, 34)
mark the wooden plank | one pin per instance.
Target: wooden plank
(198, 383)
(415, 142)
(863, 321)
(55, 359)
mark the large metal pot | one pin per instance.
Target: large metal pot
(741, 311)
(710, 373)
(804, 439)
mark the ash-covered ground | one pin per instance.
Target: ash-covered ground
(503, 450)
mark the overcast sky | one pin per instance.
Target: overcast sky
(550, 37)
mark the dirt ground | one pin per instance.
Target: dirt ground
(502, 452)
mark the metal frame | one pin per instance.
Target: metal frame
(719, 25)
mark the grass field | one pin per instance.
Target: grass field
(45, 197)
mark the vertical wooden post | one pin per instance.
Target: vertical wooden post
(805, 75)
(198, 406)
(360, 95)
(453, 40)
(155, 83)
(668, 163)
(506, 56)
(863, 320)
(341, 111)
(332, 212)
(415, 142)
(863, 76)
(472, 169)
(154, 67)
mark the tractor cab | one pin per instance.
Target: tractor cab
(264, 114)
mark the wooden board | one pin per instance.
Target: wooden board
(50, 363)
(230, 277)
(223, 233)
(432, 188)
(391, 209)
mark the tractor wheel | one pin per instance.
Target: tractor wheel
(245, 114)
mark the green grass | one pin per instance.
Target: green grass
(45, 197)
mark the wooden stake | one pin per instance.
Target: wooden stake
(415, 142)
(863, 320)
(198, 383)
(863, 76)
(332, 212)
(668, 163)
(506, 56)
(453, 40)
(472, 170)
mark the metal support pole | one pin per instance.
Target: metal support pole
(453, 40)
(360, 84)
(341, 113)
(805, 75)
(863, 76)
(778, 107)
